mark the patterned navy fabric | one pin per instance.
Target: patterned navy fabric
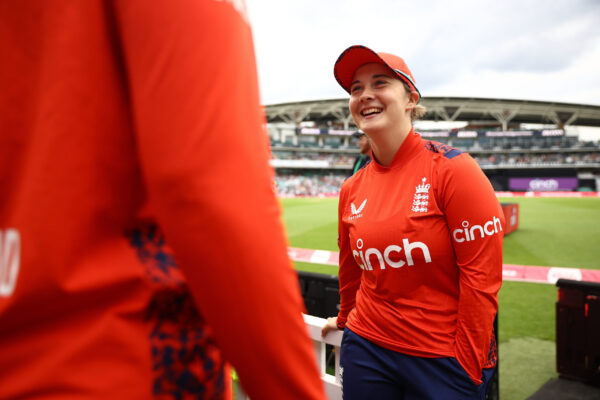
(187, 364)
(154, 254)
(448, 151)
(493, 354)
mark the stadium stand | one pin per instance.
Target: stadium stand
(313, 148)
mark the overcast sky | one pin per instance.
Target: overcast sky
(515, 49)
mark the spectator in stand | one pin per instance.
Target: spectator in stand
(128, 269)
(420, 236)
(297, 185)
(364, 146)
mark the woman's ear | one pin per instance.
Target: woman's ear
(413, 99)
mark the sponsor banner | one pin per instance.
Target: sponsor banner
(547, 194)
(466, 134)
(510, 272)
(512, 133)
(452, 133)
(324, 131)
(498, 194)
(277, 163)
(548, 275)
(436, 134)
(549, 184)
(319, 196)
(308, 131)
(314, 256)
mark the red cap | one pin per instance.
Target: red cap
(356, 56)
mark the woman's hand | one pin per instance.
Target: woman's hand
(330, 325)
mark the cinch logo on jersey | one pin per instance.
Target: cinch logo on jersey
(363, 258)
(356, 212)
(10, 249)
(469, 233)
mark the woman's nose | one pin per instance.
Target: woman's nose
(366, 95)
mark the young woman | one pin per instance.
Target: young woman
(420, 237)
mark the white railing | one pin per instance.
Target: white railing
(332, 384)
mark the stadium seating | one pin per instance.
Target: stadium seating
(502, 155)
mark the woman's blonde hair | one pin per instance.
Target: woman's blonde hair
(418, 111)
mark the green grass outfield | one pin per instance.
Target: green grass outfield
(558, 232)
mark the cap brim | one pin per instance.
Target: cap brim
(350, 60)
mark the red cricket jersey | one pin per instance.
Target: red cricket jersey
(421, 255)
(139, 232)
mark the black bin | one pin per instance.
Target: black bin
(578, 331)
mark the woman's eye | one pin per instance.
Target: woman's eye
(354, 89)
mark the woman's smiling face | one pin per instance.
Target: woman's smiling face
(378, 100)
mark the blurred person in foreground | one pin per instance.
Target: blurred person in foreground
(128, 269)
(420, 236)
(364, 147)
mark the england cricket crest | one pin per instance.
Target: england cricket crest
(421, 197)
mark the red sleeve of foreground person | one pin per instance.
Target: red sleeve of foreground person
(128, 116)
(194, 90)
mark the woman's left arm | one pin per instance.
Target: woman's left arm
(476, 223)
